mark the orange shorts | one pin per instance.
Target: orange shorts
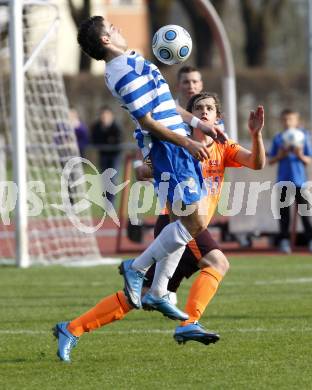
(188, 264)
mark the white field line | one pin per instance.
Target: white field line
(93, 263)
(75, 263)
(160, 331)
(270, 282)
(284, 281)
(257, 283)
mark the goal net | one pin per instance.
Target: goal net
(50, 144)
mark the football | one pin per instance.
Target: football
(293, 138)
(172, 44)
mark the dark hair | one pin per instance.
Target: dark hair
(204, 95)
(106, 108)
(186, 69)
(89, 37)
(288, 111)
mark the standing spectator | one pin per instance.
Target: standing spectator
(81, 130)
(291, 167)
(189, 83)
(106, 136)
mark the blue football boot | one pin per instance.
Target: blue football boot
(163, 305)
(66, 341)
(133, 283)
(194, 331)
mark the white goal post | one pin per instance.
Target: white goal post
(37, 140)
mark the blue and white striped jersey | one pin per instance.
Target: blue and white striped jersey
(140, 88)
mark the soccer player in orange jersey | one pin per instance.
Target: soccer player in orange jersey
(203, 253)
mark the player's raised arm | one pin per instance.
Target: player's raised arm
(254, 159)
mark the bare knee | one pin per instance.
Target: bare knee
(217, 260)
(194, 225)
(198, 228)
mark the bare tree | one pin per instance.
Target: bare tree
(203, 35)
(158, 15)
(78, 15)
(259, 18)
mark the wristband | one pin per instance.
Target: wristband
(194, 122)
(137, 163)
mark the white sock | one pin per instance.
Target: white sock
(170, 239)
(164, 271)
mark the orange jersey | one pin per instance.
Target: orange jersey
(221, 156)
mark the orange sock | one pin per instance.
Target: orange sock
(202, 291)
(109, 309)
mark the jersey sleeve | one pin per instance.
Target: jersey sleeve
(231, 150)
(138, 93)
(307, 148)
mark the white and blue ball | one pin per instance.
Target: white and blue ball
(172, 44)
(293, 137)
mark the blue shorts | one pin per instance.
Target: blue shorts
(175, 166)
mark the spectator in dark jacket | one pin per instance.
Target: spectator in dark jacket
(106, 135)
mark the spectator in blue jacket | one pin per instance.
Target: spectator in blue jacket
(292, 162)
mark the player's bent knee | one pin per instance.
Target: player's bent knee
(194, 227)
(202, 226)
(217, 260)
(198, 229)
(199, 226)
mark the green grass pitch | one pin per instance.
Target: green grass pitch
(262, 312)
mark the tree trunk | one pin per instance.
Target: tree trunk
(158, 15)
(258, 22)
(78, 16)
(203, 35)
(84, 62)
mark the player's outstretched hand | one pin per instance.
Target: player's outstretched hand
(215, 132)
(198, 150)
(256, 120)
(298, 151)
(143, 172)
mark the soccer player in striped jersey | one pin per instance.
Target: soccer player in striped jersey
(163, 137)
(189, 83)
(202, 253)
